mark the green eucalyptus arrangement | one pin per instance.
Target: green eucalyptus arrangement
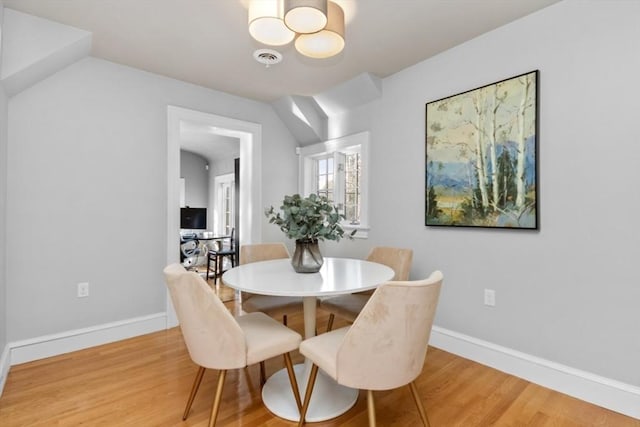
(308, 219)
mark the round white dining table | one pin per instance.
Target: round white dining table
(277, 277)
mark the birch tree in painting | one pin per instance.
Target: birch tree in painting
(525, 127)
(496, 101)
(477, 99)
(481, 154)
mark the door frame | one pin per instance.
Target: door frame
(250, 136)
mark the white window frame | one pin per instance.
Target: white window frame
(307, 184)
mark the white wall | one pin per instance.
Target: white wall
(3, 204)
(569, 292)
(87, 189)
(196, 177)
(224, 166)
(3, 229)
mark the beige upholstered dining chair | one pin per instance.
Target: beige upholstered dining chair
(349, 306)
(274, 306)
(385, 348)
(217, 340)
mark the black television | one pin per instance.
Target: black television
(193, 218)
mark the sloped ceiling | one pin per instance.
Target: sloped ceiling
(34, 48)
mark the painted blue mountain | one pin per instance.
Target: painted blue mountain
(461, 176)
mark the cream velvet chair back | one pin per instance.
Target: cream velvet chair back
(217, 340)
(207, 326)
(399, 259)
(386, 346)
(262, 252)
(274, 306)
(349, 306)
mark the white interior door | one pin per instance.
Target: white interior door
(225, 204)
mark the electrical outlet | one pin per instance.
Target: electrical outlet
(83, 289)
(490, 297)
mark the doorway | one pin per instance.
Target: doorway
(249, 201)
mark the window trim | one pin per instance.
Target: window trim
(307, 172)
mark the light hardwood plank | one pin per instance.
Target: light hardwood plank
(145, 381)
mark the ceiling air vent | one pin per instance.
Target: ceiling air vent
(267, 56)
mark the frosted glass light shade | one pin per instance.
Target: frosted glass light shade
(266, 24)
(325, 43)
(305, 16)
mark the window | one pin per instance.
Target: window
(325, 177)
(352, 192)
(337, 169)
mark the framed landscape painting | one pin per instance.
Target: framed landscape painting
(481, 156)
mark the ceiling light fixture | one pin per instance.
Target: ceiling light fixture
(327, 42)
(318, 24)
(305, 16)
(266, 23)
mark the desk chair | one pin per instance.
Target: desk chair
(190, 250)
(349, 306)
(385, 347)
(217, 256)
(217, 340)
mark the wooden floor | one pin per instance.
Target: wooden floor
(145, 381)
(225, 293)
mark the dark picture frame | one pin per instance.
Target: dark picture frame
(481, 151)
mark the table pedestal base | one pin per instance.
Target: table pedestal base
(329, 399)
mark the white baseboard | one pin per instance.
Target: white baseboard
(65, 342)
(607, 393)
(5, 364)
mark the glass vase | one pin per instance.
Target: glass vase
(307, 257)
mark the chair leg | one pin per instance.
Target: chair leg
(213, 259)
(292, 380)
(371, 409)
(216, 401)
(307, 394)
(263, 375)
(330, 322)
(416, 398)
(284, 319)
(194, 390)
(217, 269)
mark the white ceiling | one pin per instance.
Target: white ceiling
(206, 141)
(206, 42)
